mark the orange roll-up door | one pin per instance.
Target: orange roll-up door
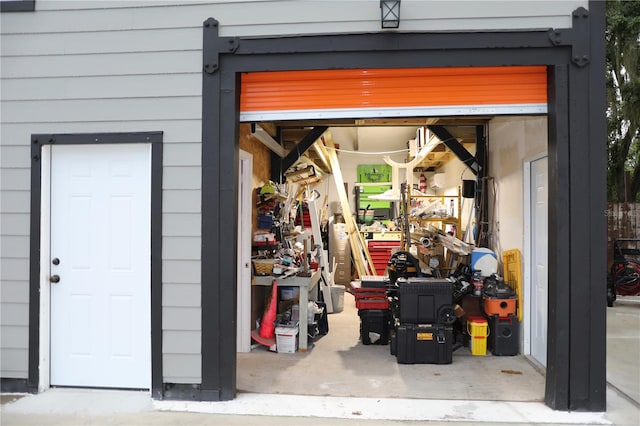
(356, 93)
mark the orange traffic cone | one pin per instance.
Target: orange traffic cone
(267, 326)
(265, 335)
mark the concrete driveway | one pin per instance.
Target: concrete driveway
(98, 407)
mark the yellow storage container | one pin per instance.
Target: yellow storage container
(478, 329)
(512, 266)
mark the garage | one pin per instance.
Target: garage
(163, 83)
(332, 365)
(416, 52)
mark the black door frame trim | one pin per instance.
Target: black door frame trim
(37, 142)
(574, 57)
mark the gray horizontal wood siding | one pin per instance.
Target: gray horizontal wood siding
(14, 264)
(61, 80)
(280, 17)
(78, 67)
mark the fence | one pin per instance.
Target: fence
(623, 221)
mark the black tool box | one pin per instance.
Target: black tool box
(426, 301)
(374, 326)
(423, 344)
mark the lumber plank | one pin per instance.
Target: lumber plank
(359, 249)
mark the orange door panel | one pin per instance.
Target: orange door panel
(414, 91)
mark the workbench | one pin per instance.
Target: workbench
(307, 285)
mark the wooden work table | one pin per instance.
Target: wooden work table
(307, 285)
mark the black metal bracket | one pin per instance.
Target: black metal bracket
(577, 37)
(218, 45)
(302, 146)
(456, 147)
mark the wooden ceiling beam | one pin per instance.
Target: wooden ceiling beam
(270, 128)
(260, 134)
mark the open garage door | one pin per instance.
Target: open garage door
(370, 93)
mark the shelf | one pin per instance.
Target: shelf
(443, 221)
(435, 159)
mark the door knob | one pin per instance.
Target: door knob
(55, 261)
(55, 278)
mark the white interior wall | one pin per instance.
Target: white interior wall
(371, 141)
(512, 141)
(453, 174)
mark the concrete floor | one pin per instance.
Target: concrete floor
(437, 395)
(623, 347)
(340, 365)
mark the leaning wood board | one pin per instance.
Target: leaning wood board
(362, 258)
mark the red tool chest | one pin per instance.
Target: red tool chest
(371, 298)
(380, 252)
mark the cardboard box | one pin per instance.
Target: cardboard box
(287, 339)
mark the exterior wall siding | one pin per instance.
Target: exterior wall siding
(79, 67)
(57, 80)
(280, 17)
(14, 265)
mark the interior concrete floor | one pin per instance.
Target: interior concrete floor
(339, 365)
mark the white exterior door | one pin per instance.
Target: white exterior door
(101, 252)
(539, 259)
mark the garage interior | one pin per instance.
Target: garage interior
(338, 363)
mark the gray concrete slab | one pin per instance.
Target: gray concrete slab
(623, 346)
(99, 407)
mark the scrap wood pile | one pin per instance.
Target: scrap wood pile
(430, 236)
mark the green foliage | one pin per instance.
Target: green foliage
(623, 100)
